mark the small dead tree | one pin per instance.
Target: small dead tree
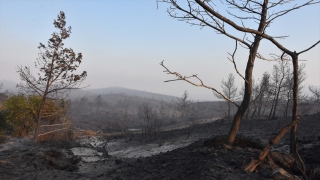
(83, 104)
(57, 66)
(98, 101)
(229, 90)
(124, 114)
(315, 95)
(148, 116)
(256, 93)
(288, 86)
(193, 115)
(163, 114)
(202, 13)
(262, 98)
(183, 105)
(278, 78)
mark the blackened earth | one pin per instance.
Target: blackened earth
(205, 158)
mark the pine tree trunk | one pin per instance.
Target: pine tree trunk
(275, 105)
(39, 116)
(272, 107)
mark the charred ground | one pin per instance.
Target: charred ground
(200, 156)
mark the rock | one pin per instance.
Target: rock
(281, 174)
(53, 159)
(103, 151)
(226, 146)
(164, 165)
(118, 161)
(75, 159)
(205, 151)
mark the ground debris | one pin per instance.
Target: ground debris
(202, 156)
(281, 174)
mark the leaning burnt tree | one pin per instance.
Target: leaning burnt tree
(57, 66)
(286, 55)
(194, 14)
(293, 56)
(203, 13)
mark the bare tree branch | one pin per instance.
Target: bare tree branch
(275, 57)
(197, 14)
(248, 30)
(283, 12)
(234, 63)
(186, 78)
(309, 47)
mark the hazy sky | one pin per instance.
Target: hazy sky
(123, 42)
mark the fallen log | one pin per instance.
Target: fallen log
(254, 163)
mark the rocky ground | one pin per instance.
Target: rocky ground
(193, 152)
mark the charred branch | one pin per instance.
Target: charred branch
(201, 84)
(234, 63)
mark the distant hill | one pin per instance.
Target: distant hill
(131, 92)
(11, 86)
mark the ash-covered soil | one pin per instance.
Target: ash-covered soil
(190, 153)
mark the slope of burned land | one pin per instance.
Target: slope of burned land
(197, 153)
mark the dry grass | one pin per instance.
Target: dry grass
(90, 132)
(66, 135)
(77, 134)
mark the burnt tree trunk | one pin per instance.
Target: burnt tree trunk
(248, 76)
(277, 97)
(286, 109)
(247, 92)
(295, 92)
(275, 104)
(39, 116)
(265, 106)
(254, 163)
(272, 107)
(229, 109)
(260, 104)
(254, 112)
